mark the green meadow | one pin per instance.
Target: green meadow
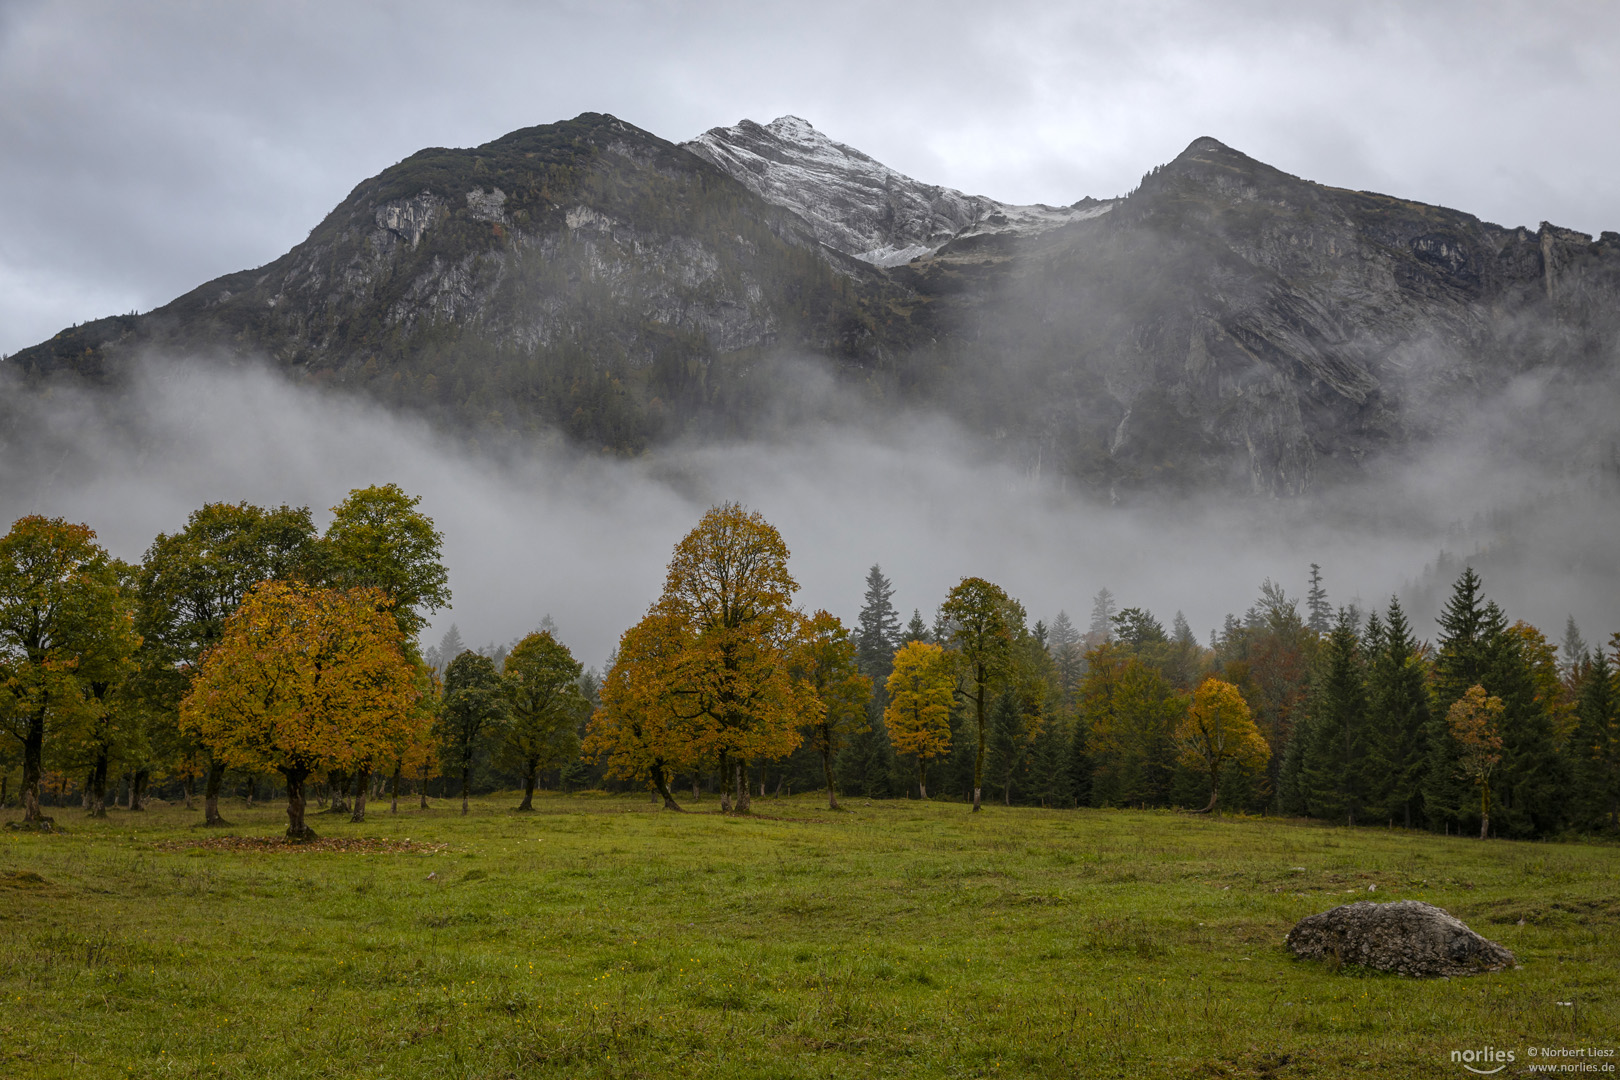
(599, 937)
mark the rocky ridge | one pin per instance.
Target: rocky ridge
(859, 206)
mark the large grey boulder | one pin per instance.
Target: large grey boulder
(1408, 937)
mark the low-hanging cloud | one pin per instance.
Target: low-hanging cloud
(541, 529)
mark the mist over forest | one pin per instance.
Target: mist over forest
(539, 527)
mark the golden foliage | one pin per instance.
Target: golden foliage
(918, 715)
(308, 679)
(1219, 728)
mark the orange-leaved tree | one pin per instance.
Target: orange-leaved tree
(825, 660)
(1474, 721)
(918, 716)
(635, 732)
(1217, 729)
(730, 688)
(305, 680)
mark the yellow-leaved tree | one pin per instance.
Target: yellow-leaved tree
(1473, 720)
(1218, 728)
(921, 688)
(825, 661)
(707, 676)
(306, 680)
(635, 732)
(731, 688)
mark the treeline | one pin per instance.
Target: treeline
(1365, 723)
(247, 644)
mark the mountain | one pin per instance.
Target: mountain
(1225, 326)
(859, 206)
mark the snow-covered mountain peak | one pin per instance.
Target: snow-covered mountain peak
(860, 206)
(796, 129)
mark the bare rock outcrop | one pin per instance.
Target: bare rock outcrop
(1408, 937)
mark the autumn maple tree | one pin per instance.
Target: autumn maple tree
(545, 706)
(825, 660)
(190, 582)
(306, 680)
(65, 626)
(982, 619)
(474, 709)
(1218, 729)
(635, 732)
(918, 715)
(1474, 722)
(730, 687)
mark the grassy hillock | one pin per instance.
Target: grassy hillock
(600, 938)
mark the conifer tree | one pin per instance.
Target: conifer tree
(878, 631)
(1334, 768)
(1079, 766)
(1048, 766)
(1459, 664)
(1103, 608)
(1595, 747)
(1477, 647)
(1319, 611)
(866, 764)
(1575, 653)
(916, 630)
(1398, 700)
(1063, 643)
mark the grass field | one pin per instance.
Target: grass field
(597, 937)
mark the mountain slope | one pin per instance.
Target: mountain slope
(1229, 325)
(1226, 326)
(585, 275)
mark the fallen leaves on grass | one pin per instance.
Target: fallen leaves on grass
(348, 845)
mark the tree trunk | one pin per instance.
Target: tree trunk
(694, 787)
(533, 766)
(978, 760)
(1484, 811)
(922, 779)
(725, 787)
(393, 807)
(466, 787)
(186, 784)
(744, 802)
(780, 780)
(253, 783)
(338, 783)
(361, 789)
(296, 829)
(98, 786)
(211, 785)
(33, 768)
(826, 770)
(424, 787)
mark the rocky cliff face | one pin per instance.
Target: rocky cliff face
(1225, 326)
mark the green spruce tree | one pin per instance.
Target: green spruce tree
(1334, 771)
(1398, 700)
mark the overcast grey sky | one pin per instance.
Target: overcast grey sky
(147, 147)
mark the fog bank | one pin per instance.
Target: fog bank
(546, 530)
